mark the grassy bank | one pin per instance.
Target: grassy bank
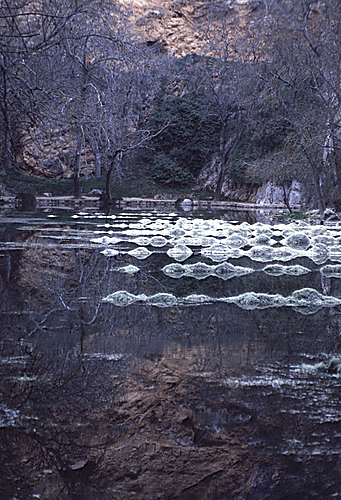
(16, 181)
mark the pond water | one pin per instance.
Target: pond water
(142, 352)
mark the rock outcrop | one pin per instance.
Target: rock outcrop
(266, 194)
(175, 27)
(270, 193)
(175, 24)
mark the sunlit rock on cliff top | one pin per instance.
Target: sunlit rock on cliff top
(170, 25)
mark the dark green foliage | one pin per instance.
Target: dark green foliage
(191, 139)
(265, 134)
(166, 171)
(16, 181)
(185, 146)
(333, 196)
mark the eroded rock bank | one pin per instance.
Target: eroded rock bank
(161, 432)
(145, 441)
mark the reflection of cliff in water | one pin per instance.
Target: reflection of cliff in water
(112, 399)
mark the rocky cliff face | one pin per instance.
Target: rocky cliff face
(267, 194)
(177, 25)
(51, 155)
(271, 194)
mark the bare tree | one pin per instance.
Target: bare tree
(304, 77)
(76, 82)
(230, 83)
(28, 30)
(72, 75)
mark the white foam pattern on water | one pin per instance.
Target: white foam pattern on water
(280, 270)
(304, 393)
(158, 241)
(122, 298)
(140, 253)
(218, 240)
(200, 270)
(141, 241)
(221, 252)
(305, 301)
(179, 252)
(130, 269)
(101, 356)
(106, 240)
(298, 241)
(9, 417)
(110, 252)
(331, 271)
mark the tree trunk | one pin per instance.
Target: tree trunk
(334, 156)
(98, 165)
(285, 198)
(80, 134)
(107, 181)
(222, 148)
(97, 154)
(315, 179)
(226, 149)
(110, 169)
(8, 149)
(221, 178)
(319, 197)
(76, 166)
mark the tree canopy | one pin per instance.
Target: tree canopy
(262, 97)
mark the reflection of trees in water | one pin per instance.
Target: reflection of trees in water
(71, 382)
(61, 291)
(60, 407)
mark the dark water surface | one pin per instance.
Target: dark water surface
(130, 336)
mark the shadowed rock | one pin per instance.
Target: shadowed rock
(25, 202)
